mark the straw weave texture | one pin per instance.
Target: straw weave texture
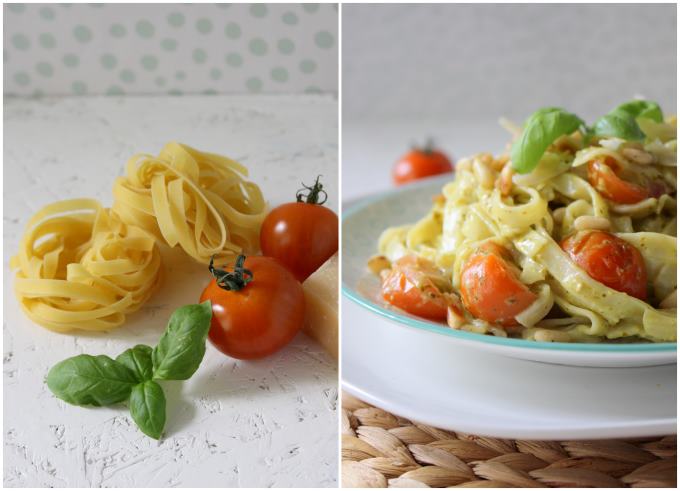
(381, 450)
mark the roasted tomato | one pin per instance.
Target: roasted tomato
(419, 163)
(490, 287)
(257, 308)
(609, 260)
(301, 235)
(415, 285)
(602, 174)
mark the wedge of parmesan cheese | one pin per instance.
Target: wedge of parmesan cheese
(321, 307)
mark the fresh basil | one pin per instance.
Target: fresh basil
(541, 129)
(642, 109)
(622, 121)
(619, 124)
(102, 381)
(181, 348)
(147, 408)
(93, 380)
(138, 359)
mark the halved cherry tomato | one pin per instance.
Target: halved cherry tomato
(419, 163)
(490, 287)
(609, 260)
(257, 309)
(301, 235)
(411, 286)
(602, 176)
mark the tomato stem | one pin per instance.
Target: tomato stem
(232, 281)
(311, 194)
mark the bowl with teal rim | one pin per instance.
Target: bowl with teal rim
(362, 223)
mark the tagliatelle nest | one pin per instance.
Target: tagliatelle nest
(199, 201)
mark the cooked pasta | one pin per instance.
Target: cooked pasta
(79, 267)
(530, 215)
(198, 200)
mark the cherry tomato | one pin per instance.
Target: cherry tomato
(261, 312)
(419, 163)
(409, 286)
(490, 287)
(609, 260)
(602, 176)
(301, 235)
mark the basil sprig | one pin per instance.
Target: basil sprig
(101, 381)
(547, 124)
(541, 129)
(621, 122)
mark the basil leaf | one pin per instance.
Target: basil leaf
(138, 360)
(147, 408)
(182, 346)
(620, 124)
(642, 109)
(95, 380)
(542, 128)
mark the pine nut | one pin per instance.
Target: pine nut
(376, 264)
(558, 214)
(638, 156)
(591, 223)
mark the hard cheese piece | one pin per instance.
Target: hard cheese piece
(321, 308)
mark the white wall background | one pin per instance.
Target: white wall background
(461, 61)
(79, 49)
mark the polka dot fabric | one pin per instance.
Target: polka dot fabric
(115, 49)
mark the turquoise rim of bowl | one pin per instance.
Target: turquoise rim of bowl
(350, 293)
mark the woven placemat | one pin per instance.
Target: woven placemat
(381, 450)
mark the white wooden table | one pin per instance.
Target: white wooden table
(267, 423)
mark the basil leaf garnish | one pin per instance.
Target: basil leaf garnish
(642, 109)
(181, 348)
(94, 380)
(138, 360)
(620, 124)
(541, 129)
(147, 408)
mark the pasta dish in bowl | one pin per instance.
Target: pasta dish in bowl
(570, 237)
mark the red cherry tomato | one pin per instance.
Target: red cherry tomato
(490, 287)
(302, 235)
(262, 312)
(602, 176)
(419, 163)
(609, 260)
(409, 286)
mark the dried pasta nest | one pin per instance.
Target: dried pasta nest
(80, 267)
(197, 200)
(381, 450)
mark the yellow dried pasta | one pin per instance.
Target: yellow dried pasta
(80, 267)
(199, 201)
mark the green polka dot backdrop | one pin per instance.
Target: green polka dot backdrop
(114, 49)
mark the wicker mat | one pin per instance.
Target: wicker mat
(380, 449)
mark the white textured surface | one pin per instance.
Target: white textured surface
(267, 423)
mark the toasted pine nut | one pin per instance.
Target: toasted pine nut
(671, 300)
(504, 182)
(591, 223)
(378, 263)
(558, 214)
(483, 174)
(638, 156)
(438, 199)
(454, 317)
(551, 336)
